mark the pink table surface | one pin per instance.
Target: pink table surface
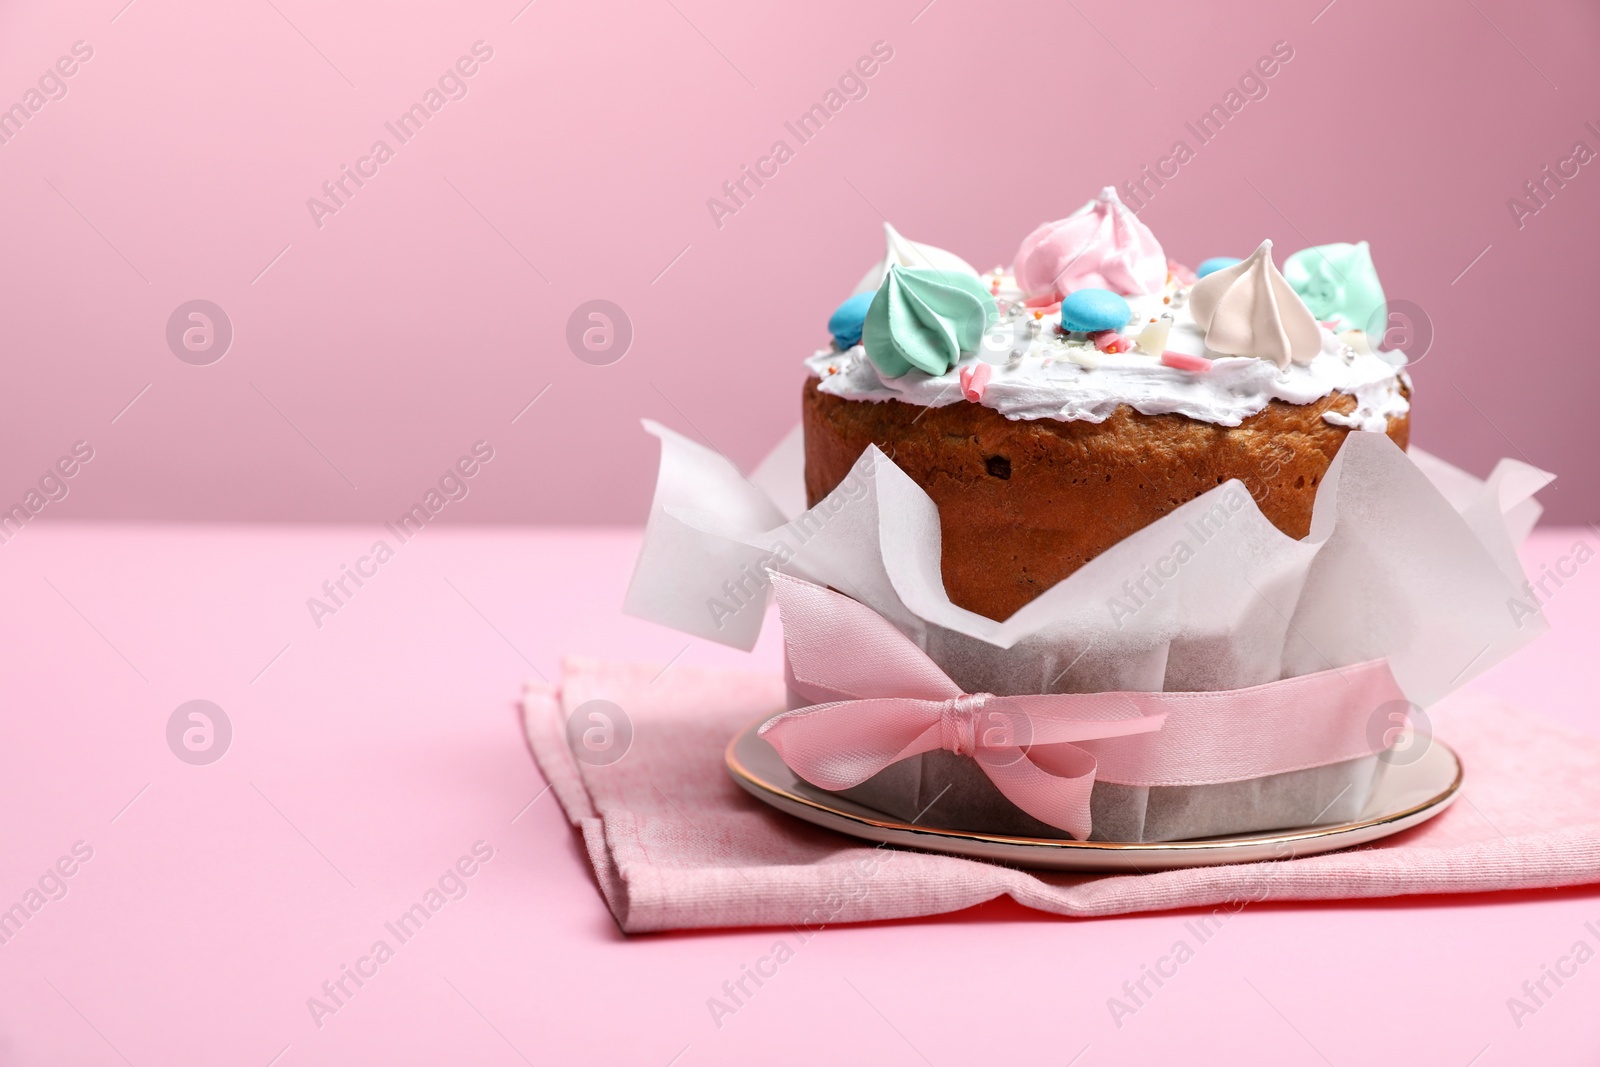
(371, 753)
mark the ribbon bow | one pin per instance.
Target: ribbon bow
(897, 703)
(879, 699)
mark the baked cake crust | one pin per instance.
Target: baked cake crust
(1024, 503)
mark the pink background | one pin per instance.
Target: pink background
(426, 313)
(369, 755)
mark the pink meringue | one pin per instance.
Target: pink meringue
(1181, 274)
(1102, 245)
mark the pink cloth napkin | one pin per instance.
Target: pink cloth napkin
(676, 844)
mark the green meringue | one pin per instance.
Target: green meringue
(1339, 284)
(927, 319)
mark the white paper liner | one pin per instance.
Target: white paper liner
(1408, 558)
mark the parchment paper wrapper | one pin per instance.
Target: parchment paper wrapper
(1408, 558)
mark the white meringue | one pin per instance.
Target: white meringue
(904, 253)
(1102, 245)
(1249, 309)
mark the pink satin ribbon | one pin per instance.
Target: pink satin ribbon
(880, 699)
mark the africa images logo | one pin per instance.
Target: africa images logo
(199, 332)
(199, 732)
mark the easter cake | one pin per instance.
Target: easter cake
(1054, 408)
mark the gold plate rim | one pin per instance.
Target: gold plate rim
(748, 778)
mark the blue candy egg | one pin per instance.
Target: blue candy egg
(1214, 264)
(1093, 310)
(845, 323)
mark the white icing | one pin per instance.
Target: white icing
(1051, 376)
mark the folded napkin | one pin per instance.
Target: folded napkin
(677, 845)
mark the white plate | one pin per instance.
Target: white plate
(1407, 794)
